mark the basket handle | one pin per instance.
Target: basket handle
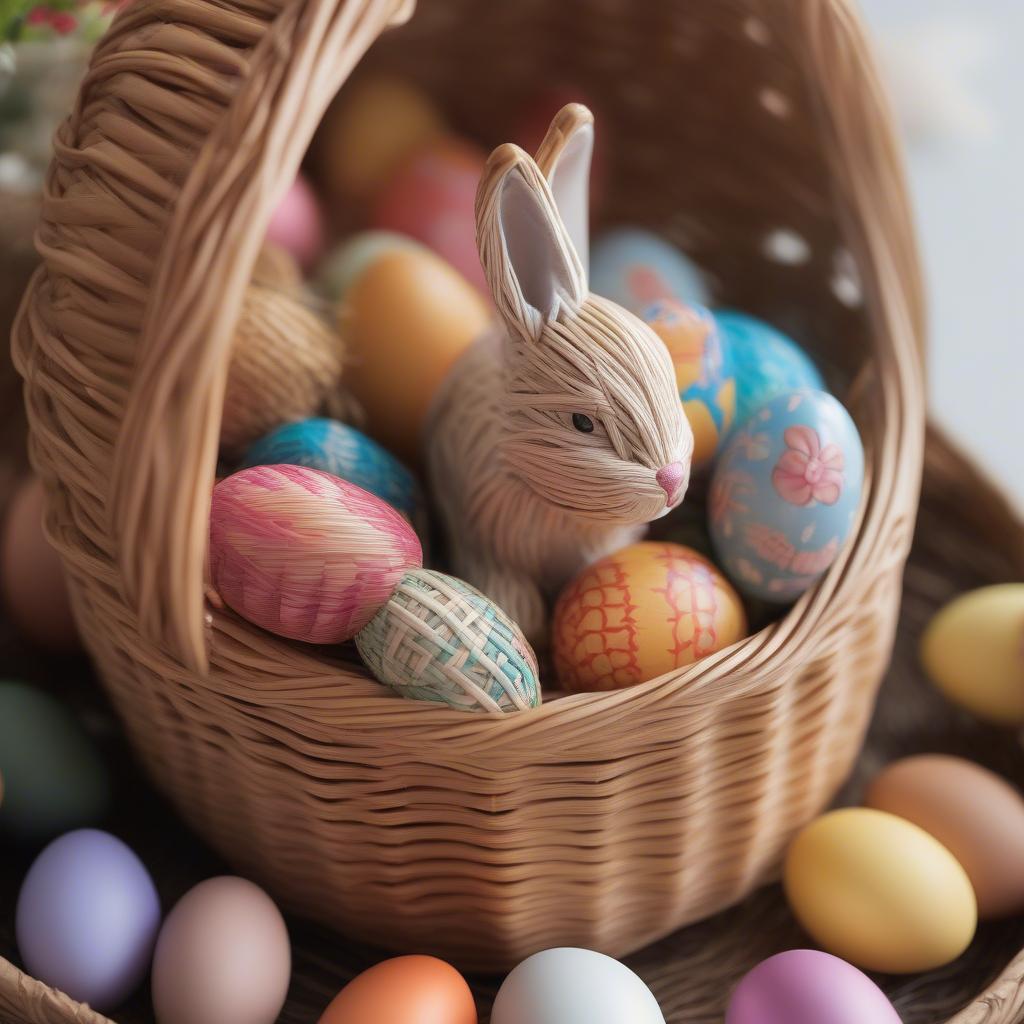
(166, 452)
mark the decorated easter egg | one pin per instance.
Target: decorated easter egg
(304, 554)
(286, 362)
(634, 615)
(54, 778)
(222, 957)
(535, 118)
(349, 259)
(574, 986)
(975, 814)
(32, 581)
(703, 372)
(439, 639)
(784, 494)
(405, 990)
(373, 125)
(345, 452)
(432, 197)
(879, 892)
(635, 268)
(764, 361)
(87, 918)
(405, 320)
(973, 650)
(296, 224)
(807, 986)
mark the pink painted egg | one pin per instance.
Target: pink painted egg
(431, 198)
(304, 554)
(297, 223)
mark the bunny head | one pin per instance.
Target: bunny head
(592, 418)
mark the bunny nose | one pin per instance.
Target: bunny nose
(670, 477)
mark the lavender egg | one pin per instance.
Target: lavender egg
(87, 918)
(344, 452)
(304, 554)
(785, 493)
(805, 986)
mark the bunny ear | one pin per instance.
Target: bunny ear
(528, 258)
(564, 159)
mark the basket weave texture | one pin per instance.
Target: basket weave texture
(605, 820)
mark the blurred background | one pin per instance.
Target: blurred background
(957, 79)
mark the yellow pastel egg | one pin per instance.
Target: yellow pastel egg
(405, 319)
(879, 892)
(374, 124)
(643, 611)
(973, 650)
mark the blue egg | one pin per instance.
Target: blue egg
(344, 452)
(765, 362)
(784, 494)
(634, 268)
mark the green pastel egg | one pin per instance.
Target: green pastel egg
(53, 777)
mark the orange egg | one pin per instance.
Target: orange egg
(32, 578)
(643, 611)
(406, 990)
(405, 320)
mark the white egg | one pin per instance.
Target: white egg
(574, 986)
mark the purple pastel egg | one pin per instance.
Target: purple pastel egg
(87, 918)
(806, 986)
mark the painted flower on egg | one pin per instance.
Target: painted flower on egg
(806, 472)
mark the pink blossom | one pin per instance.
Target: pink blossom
(806, 472)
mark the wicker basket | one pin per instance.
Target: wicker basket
(753, 133)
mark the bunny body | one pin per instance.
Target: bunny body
(559, 434)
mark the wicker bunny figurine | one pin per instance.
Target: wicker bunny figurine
(558, 435)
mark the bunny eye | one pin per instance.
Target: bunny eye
(584, 424)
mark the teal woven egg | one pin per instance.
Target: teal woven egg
(439, 639)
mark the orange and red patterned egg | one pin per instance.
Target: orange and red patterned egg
(640, 612)
(304, 554)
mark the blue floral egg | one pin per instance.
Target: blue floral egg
(765, 362)
(634, 268)
(784, 494)
(344, 452)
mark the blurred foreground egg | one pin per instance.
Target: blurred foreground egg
(373, 125)
(223, 957)
(87, 918)
(785, 493)
(405, 990)
(634, 268)
(304, 554)
(975, 814)
(703, 374)
(643, 611)
(32, 577)
(764, 361)
(879, 892)
(53, 777)
(297, 223)
(431, 198)
(806, 986)
(973, 650)
(574, 986)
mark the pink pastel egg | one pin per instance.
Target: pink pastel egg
(304, 554)
(297, 223)
(431, 198)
